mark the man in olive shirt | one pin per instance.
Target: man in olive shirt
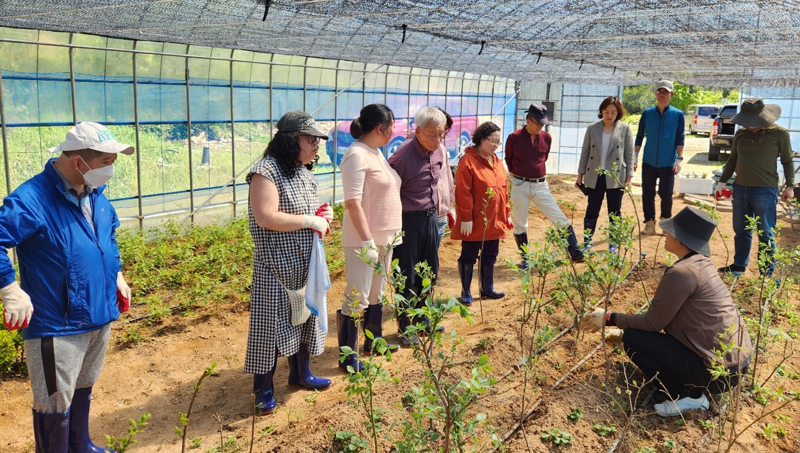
(757, 145)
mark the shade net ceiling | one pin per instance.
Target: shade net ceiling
(623, 42)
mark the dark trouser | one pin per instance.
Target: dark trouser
(666, 181)
(614, 198)
(420, 243)
(680, 371)
(470, 249)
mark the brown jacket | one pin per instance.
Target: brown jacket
(473, 177)
(693, 305)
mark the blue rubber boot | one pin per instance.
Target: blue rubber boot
(487, 281)
(300, 371)
(79, 441)
(51, 432)
(348, 336)
(373, 321)
(264, 391)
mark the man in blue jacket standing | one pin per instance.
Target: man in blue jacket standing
(663, 154)
(71, 285)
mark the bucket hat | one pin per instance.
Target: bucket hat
(754, 113)
(539, 113)
(301, 121)
(692, 227)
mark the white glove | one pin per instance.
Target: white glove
(316, 223)
(466, 228)
(17, 304)
(371, 251)
(677, 168)
(594, 321)
(614, 336)
(326, 211)
(123, 287)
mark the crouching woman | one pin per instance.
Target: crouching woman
(693, 307)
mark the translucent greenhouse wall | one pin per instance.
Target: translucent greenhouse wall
(200, 117)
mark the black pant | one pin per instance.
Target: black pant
(420, 244)
(470, 249)
(614, 198)
(680, 371)
(666, 181)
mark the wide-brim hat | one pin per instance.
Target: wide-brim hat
(692, 227)
(95, 136)
(754, 113)
(300, 121)
(539, 113)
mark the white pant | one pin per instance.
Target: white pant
(361, 279)
(522, 193)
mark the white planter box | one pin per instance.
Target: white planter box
(693, 185)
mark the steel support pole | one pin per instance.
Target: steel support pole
(189, 139)
(233, 142)
(138, 143)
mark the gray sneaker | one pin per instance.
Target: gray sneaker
(671, 408)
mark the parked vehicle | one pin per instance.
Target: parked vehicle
(455, 141)
(722, 130)
(698, 118)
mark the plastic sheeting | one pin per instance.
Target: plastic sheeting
(627, 42)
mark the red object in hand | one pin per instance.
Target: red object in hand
(319, 214)
(509, 224)
(726, 193)
(10, 327)
(123, 303)
(451, 222)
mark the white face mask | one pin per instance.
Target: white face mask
(96, 177)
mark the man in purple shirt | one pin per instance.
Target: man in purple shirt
(419, 168)
(527, 150)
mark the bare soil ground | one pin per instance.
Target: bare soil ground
(158, 375)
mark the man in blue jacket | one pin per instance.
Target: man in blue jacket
(663, 154)
(63, 228)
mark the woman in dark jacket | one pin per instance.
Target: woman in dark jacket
(606, 143)
(693, 306)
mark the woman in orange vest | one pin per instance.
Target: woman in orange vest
(482, 211)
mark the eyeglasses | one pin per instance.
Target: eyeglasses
(311, 139)
(494, 142)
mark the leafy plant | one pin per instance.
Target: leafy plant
(556, 437)
(121, 444)
(604, 430)
(347, 442)
(575, 415)
(184, 418)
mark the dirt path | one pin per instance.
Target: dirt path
(157, 376)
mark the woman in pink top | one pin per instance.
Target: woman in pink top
(372, 219)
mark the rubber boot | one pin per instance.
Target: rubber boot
(373, 321)
(348, 336)
(79, 441)
(403, 322)
(575, 253)
(51, 432)
(465, 273)
(264, 391)
(521, 239)
(300, 371)
(487, 282)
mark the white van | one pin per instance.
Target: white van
(698, 118)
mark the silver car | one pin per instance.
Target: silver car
(698, 118)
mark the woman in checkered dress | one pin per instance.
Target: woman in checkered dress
(285, 214)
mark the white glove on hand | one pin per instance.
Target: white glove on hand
(614, 336)
(326, 211)
(594, 321)
(371, 252)
(677, 168)
(316, 223)
(123, 287)
(18, 307)
(466, 228)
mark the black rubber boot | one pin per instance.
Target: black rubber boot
(465, 273)
(575, 253)
(79, 440)
(300, 371)
(348, 336)
(522, 239)
(51, 432)
(487, 282)
(403, 322)
(373, 321)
